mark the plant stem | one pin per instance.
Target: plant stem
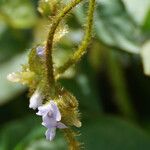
(49, 44)
(82, 48)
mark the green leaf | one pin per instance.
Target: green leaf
(36, 134)
(3, 27)
(13, 41)
(36, 140)
(14, 132)
(101, 132)
(28, 134)
(137, 12)
(57, 144)
(145, 53)
(109, 133)
(18, 14)
(113, 25)
(85, 91)
(9, 89)
(146, 25)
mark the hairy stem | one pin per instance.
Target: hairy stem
(82, 48)
(71, 136)
(49, 44)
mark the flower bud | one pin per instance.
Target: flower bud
(24, 77)
(36, 100)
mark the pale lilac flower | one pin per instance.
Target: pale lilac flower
(50, 110)
(40, 50)
(52, 124)
(36, 100)
(51, 119)
(50, 133)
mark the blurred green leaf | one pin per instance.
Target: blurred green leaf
(14, 132)
(36, 133)
(146, 25)
(12, 42)
(8, 89)
(2, 27)
(118, 82)
(57, 144)
(137, 12)
(18, 14)
(145, 53)
(105, 133)
(85, 92)
(113, 25)
(28, 134)
(109, 133)
(36, 140)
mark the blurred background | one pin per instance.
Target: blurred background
(111, 83)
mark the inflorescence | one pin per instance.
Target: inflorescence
(57, 107)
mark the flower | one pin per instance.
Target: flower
(40, 50)
(36, 100)
(52, 124)
(51, 119)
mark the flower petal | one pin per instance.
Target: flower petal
(50, 134)
(49, 122)
(43, 110)
(55, 111)
(61, 125)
